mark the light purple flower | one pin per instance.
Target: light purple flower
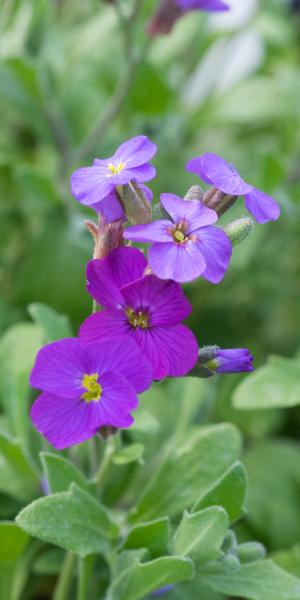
(215, 171)
(234, 360)
(86, 386)
(143, 307)
(169, 11)
(163, 590)
(91, 185)
(206, 5)
(186, 247)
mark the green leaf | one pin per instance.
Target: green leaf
(49, 562)
(17, 475)
(271, 386)
(54, 326)
(72, 520)
(13, 542)
(150, 93)
(60, 473)
(260, 580)
(200, 535)
(229, 492)
(188, 471)
(273, 495)
(140, 579)
(289, 559)
(18, 348)
(153, 535)
(129, 454)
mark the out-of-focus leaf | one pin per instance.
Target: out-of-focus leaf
(13, 542)
(49, 562)
(18, 348)
(288, 559)
(271, 386)
(229, 492)
(60, 473)
(273, 495)
(17, 476)
(55, 326)
(128, 454)
(188, 471)
(72, 520)
(153, 535)
(260, 580)
(150, 94)
(200, 535)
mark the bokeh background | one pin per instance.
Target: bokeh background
(228, 84)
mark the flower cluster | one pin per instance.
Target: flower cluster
(137, 336)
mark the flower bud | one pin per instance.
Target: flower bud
(250, 551)
(164, 18)
(136, 206)
(107, 236)
(239, 229)
(194, 193)
(230, 542)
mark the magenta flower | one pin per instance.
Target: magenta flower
(92, 185)
(186, 247)
(169, 11)
(234, 360)
(86, 386)
(215, 171)
(143, 307)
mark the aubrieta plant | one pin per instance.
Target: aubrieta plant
(147, 516)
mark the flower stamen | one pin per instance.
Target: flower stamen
(137, 318)
(94, 389)
(115, 170)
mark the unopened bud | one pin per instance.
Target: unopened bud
(194, 193)
(202, 368)
(250, 551)
(231, 563)
(107, 236)
(136, 206)
(239, 229)
(164, 18)
(230, 542)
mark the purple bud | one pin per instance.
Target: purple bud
(234, 360)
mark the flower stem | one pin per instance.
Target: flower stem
(64, 582)
(110, 446)
(85, 566)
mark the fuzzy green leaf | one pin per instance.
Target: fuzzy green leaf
(200, 535)
(13, 542)
(153, 535)
(72, 520)
(60, 473)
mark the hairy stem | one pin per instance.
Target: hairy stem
(64, 582)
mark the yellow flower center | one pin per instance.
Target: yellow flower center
(137, 319)
(178, 235)
(115, 170)
(94, 389)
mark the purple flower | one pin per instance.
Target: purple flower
(207, 5)
(187, 247)
(169, 11)
(92, 185)
(86, 386)
(143, 307)
(215, 171)
(236, 360)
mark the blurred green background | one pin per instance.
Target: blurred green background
(228, 84)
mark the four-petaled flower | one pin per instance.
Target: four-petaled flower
(187, 247)
(95, 186)
(234, 360)
(215, 171)
(86, 386)
(143, 307)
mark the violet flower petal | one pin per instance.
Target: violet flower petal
(207, 5)
(106, 276)
(177, 347)
(89, 185)
(165, 300)
(181, 262)
(216, 249)
(157, 231)
(135, 152)
(217, 172)
(261, 206)
(191, 211)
